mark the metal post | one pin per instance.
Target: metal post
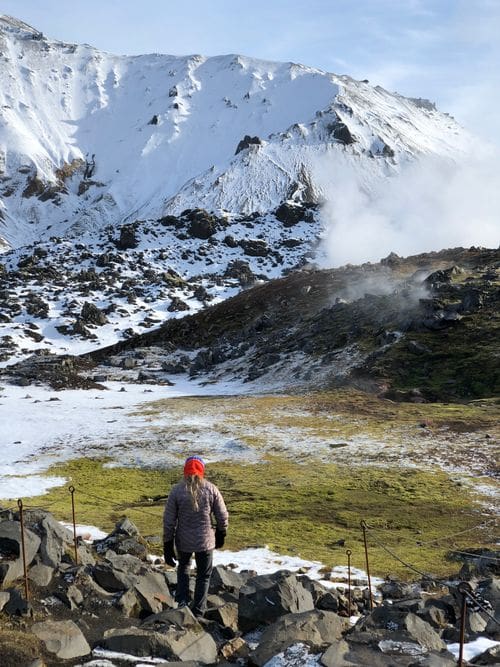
(72, 491)
(25, 567)
(463, 588)
(363, 526)
(349, 552)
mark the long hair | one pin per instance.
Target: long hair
(193, 486)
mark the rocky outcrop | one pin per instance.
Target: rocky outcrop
(246, 142)
(202, 225)
(375, 327)
(124, 603)
(128, 237)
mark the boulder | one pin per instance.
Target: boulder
(246, 142)
(202, 224)
(91, 314)
(329, 601)
(189, 642)
(152, 592)
(254, 247)
(125, 539)
(11, 563)
(56, 541)
(72, 597)
(230, 241)
(4, 598)
(128, 238)
(136, 641)
(490, 657)
(177, 305)
(436, 616)
(388, 623)
(397, 590)
(343, 654)
(316, 589)
(224, 578)
(441, 277)
(291, 214)
(223, 613)
(265, 598)
(62, 638)
(129, 604)
(315, 628)
(433, 659)
(111, 579)
(241, 271)
(179, 618)
(235, 650)
(41, 575)
(17, 605)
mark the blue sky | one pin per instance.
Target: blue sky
(445, 50)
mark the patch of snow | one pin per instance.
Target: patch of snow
(38, 431)
(88, 533)
(125, 657)
(297, 655)
(474, 648)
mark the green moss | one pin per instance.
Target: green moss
(293, 508)
(461, 362)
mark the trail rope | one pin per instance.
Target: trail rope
(115, 505)
(395, 556)
(483, 524)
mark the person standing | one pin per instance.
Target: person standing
(187, 522)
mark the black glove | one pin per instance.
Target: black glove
(169, 553)
(220, 536)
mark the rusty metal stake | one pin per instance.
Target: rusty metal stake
(72, 491)
(25, 567)
(349, 552)
(363, 526)
(463, 588)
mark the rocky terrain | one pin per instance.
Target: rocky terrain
(135, 191)
(113, 600)
(65, 295)
(421, 328)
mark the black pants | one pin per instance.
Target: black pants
(203, 573)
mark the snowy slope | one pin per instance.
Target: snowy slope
(88, 138)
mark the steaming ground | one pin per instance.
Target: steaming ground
(431, 204)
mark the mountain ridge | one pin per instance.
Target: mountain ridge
(88, 138)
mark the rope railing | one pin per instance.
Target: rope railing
(479, 526)
(395, 556)
(473, 555)
(477, 602)
(117, 505)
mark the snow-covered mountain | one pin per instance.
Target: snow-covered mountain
(138, 189)
(88, 138)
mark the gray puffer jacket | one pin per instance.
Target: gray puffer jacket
(192, 529)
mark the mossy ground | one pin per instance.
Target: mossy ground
(294, 509)
(306, 488)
